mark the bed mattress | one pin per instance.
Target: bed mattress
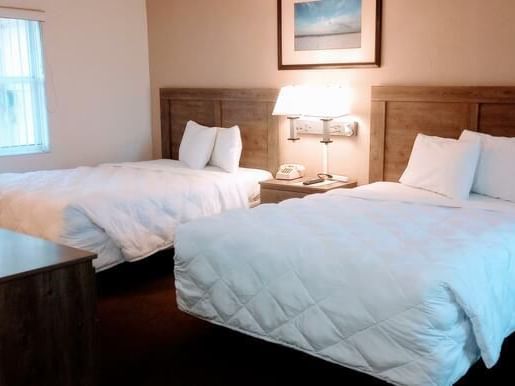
(402, 284)
(121, 212)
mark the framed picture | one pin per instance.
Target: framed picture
(317, 34)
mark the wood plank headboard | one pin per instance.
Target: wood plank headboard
(400, 112)
(250, 109)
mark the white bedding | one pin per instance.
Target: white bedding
(402, 284)
(397, 192)
(122, 212)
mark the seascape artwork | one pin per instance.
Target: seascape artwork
(327, 25)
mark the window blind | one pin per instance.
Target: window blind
(23, 112)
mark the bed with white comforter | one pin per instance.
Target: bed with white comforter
(121, 212)
(399, 283)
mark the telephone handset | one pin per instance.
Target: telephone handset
(290, 172)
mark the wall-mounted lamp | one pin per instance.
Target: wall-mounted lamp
(290, 104)
(325, 103)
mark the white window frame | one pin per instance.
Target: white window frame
(43, 145)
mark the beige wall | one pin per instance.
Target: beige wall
(98, 83)
(233, 43)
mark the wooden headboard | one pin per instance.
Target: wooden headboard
(250, 109)
(400, 112)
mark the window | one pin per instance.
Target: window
(23, 112)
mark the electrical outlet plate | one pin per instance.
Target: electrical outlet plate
(346, 128)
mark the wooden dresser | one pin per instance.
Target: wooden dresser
(47, 313)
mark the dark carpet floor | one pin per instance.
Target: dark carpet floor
(144, 340)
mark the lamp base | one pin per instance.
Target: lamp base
(325, 160)
(336, 177)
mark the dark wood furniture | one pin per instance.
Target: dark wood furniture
(399, 113)
(250, 109)
(274, 191)
(47, 308)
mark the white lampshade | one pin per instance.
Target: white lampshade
(313, 101)
(326, 102)
(290, 102)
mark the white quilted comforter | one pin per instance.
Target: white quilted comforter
(122, 212)
(412, 290)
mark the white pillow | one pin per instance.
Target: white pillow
(227, 150)
(442, 165)
(495, 176)
(197, 145)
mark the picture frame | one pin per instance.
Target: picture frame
(329, 34)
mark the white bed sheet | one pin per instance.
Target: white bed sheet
(399, 283)
(121, 212)
(399, 192)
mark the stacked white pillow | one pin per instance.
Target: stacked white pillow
(495, 174)
(443, 165)
(197, 145)
(227, 151)
(220, 147)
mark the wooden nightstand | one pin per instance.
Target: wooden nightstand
(273, 191)
(47, 303)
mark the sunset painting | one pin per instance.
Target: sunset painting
(327, 24)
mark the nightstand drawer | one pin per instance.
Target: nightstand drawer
(269, 196)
